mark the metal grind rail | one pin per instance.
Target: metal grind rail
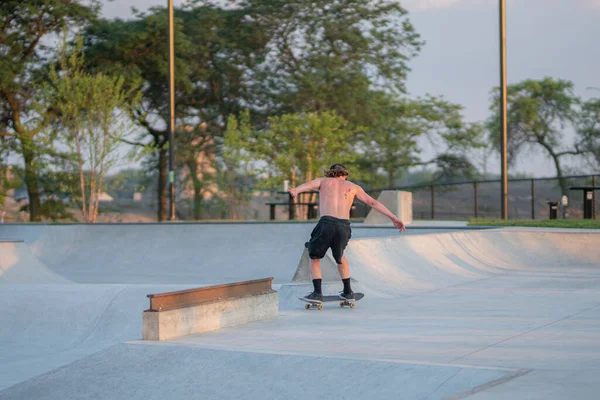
(191, 297)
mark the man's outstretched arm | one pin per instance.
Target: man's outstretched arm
(315, 184)
(379, 207)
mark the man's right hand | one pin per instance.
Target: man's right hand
(293, 192)
(399, 224)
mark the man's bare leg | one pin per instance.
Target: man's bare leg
(343, 268)
(315, 269)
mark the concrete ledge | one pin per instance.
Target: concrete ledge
(209, 315)
(398, 202)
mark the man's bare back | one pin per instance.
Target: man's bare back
(337, 195)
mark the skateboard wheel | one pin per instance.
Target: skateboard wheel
(307, 306)
(351, 305)
(341, 304)
(320, 307)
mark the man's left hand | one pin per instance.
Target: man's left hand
(399, 224)
(293, 192)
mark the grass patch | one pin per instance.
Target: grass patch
(547, 223)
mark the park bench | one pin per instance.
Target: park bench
(311, 214)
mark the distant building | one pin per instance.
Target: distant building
(105, 197)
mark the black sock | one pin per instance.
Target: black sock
(317, 285)
(347, 288)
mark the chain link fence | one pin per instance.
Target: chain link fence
(527, 198)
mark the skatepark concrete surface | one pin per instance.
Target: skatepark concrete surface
(449, 313)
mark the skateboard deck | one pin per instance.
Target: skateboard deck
(329, 299)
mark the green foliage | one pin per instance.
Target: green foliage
(234, 140)
(24, 25)
(23, 117)
(323, 80)
(92, 118)
(60, 193)
(196, 161)
(394, 143)
(588, 128)
(297, 147)
(137, 50)
(333, 55)
(216, 49)
(5, 179)
(235, 174)
(125, 183)
(539, 112)
(452, 167)
(59, 187)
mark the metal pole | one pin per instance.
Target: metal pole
(503, 111)
(476, 199)
(532, 199)
(291, 210)
(594, 198)
(432, 202)
(171, 124)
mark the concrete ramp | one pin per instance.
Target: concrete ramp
(19, 265)
(405, 265)
(508, 311)
(181, 372)
(172, 253)
(47, 326)
(328, 269)
(166, 253)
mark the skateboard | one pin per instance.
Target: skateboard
(328, 299)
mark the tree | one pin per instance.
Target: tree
(297, 147)
(6, 176)
(588, 128)
(138, 50)
(235, 170)
(22, 117)
(91, 111)
(539, 114)
(214, 48)
(221, 74)
(127, 182)
(333, 55)
(395, 142)
(197, 162)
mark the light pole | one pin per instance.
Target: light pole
(503, 112)
(171, 124)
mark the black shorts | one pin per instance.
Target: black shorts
(331, 233)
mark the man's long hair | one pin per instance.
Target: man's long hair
(336, 170)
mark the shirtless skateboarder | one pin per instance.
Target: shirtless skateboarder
(333, 230)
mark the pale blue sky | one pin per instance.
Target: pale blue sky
(557, 38)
